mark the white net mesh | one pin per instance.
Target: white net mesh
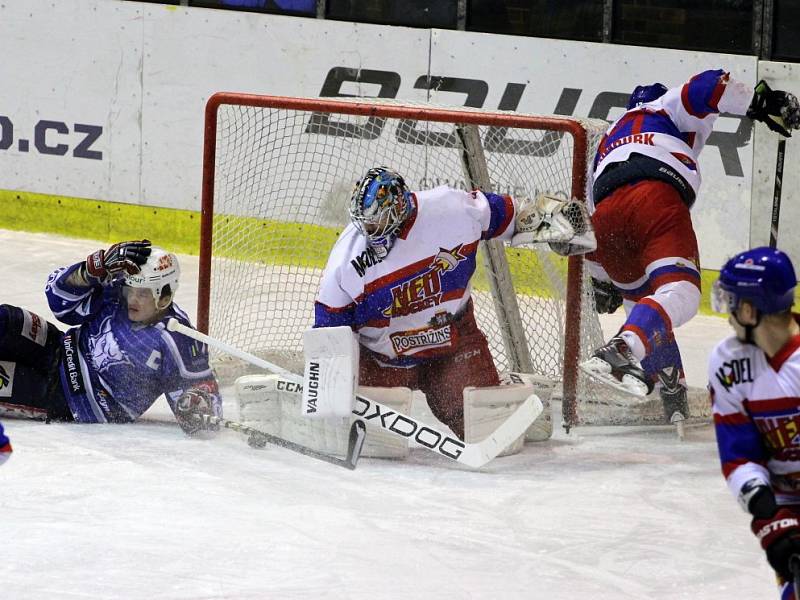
(282, 183)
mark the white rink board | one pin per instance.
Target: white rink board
(72, 61)
(785, 76)
(145, 71)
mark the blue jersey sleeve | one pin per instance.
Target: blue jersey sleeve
(185, 365)
(501, 209)
(701, 94)
(328, 316)
(75, 304)
(5, 446)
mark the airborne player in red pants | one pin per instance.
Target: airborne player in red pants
(646, 177)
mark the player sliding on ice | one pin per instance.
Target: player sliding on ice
(118, 357)
(399, 275)
(646, 177)
(754, 381)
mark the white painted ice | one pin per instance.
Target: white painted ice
(140, 511)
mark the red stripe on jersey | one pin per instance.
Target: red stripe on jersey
(690, 137)
(687, 106)
(337, 309)
(782, 355)
(719, 89)
(509, 208)
(390, 278)
(408, 270)
(731, 465)
(732, 419)
(768, 405)
(453, 295)
(376, 323)
(659, 309)
(636, 126)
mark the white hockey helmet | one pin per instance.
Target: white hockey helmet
(160, 274)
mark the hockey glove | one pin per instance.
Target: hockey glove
(607, 298)
(779, 110)
(780, 538)
(124, 257)
(190, 410)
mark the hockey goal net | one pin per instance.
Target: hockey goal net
(277, 178)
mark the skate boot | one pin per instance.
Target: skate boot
(673, 395)
(615, 365)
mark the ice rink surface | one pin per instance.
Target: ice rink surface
(140, 511)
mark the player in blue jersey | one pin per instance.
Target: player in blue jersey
(646, 177)
(118, 357)
(5, 446)
(754, 381)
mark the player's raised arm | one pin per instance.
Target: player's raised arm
(75, 293)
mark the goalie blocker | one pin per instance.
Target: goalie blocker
(331, 372)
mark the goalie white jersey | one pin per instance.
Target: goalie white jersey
(756, 403)
(402, 305)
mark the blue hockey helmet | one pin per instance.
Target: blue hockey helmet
(646, 93)
(763, 276)
(379, 206)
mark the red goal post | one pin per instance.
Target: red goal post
(277, 174)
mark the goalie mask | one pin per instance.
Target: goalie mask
(379, 206)
(159, 274)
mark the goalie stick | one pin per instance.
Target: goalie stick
(259, 439)
(794, 567)
(473, 455)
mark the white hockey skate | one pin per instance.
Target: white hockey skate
(614, 365)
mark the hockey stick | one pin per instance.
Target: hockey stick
(259, 439)
(473, 455)
(776, 195)
(794, 569)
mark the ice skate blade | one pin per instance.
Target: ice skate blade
(600, 371)
(679, 421)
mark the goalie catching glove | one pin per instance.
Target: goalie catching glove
(563, 224)
(779, 110)
(190, 410)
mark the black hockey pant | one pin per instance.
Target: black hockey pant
(30, 352)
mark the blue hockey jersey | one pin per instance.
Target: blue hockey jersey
(673, 128)
(113, 369)
(5, 446)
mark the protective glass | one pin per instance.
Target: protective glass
(722, 301)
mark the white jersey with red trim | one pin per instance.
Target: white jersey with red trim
(674, 127)
(402, 305)
(756, 403)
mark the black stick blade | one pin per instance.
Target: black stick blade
(358, 434)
